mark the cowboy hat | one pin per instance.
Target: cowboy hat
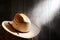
(32, 29)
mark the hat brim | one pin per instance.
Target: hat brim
(34, 30)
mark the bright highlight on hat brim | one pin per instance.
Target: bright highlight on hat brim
(34, 31)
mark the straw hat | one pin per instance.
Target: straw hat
(21, 26)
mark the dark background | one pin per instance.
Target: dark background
(8, 8)
(5, 10)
